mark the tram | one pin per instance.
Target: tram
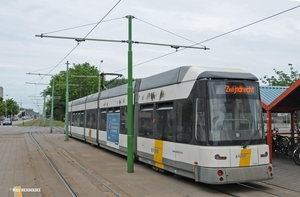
(198, 122)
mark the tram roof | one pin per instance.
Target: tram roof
(116, 91)
(92, 97)
(79, 101)
(281, 98)
(186, 73)
(274, 98)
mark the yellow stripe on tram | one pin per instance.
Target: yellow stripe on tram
(245, 157)
(90, 135)
(158, 153)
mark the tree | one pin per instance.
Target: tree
(8, 107)
(283, 79)
(83, 81)
(2, 107)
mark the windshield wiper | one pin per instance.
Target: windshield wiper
(248, 142)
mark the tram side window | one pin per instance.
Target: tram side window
(123, 119)
(91, 119)
(146, 121)
(103, 116)
(164, 122)
(70, 119)
(74, 119)
(184, 121)
(81, 119)
(78, 119)
(200, 129)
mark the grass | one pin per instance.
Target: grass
(59, 123)
(28, 123)
(41, 123)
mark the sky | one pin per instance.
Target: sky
(257, 36)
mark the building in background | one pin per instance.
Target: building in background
(29, 112)
(1, 91)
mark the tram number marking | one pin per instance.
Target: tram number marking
(154, 150)
(177, 151)
(242, 155)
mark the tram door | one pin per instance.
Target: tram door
(164, 134)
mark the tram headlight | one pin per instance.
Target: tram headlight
(264, 155)
(219, 157)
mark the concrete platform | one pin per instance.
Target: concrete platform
(21, 166)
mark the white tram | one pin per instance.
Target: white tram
(198, 122)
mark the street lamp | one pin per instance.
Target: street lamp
(101, 61)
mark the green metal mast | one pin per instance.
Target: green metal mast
(44, 109)
(130, 100)
(52, 102)
(67, 103)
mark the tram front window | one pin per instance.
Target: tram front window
(235, 117)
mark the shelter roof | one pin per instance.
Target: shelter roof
(270, 93)
(281, 98)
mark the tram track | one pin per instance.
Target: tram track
(69, 188)
(65, 153)
(258, 189)
(253, 189)
(51, 154)
(264, 187)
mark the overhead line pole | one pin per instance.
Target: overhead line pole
(130, 100)
(52, 107)
(67, 104)
(52, 100)
(44, 106)
(44, 109)
(99, 82)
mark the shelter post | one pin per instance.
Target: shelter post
(293, 127)
(269, 133)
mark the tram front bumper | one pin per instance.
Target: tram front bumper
(234, 175)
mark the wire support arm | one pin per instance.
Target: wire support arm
(122, 41)
(170, 45)
(78, 39)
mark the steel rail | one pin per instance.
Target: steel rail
(54, 168)
(65, 153)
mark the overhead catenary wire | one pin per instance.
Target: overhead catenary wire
(215, 37)
(197, 43)
(80, 26)
(85, 36)
(166, 31)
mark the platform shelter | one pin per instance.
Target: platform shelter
(280, 99)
